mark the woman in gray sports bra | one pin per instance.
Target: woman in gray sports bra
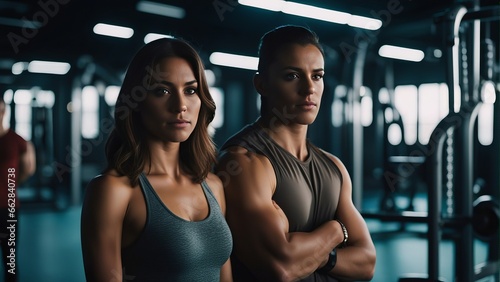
(157, 213)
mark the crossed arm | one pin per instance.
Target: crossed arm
(357, 260)
(260, 228)
(261, 237)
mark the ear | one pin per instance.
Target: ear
(258, 83)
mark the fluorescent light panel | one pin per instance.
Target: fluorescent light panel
(314, 12)
(364, 22)
(235, 61)
(48, 67)
(153, 36)
(401, 53)
(19, 67)
(161, 9)
(113, 30)
(271, 5)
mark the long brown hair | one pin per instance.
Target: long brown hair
(126, 149)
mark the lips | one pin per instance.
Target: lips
(307, 104)
(179, 121)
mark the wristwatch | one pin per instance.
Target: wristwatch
(346, 235)
(330, 264)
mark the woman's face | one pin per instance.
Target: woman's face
(170, 110)
(293, 84)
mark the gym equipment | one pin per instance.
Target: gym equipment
(486, 217)
(468, 218)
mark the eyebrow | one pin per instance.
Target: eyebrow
(185, 84)
(299, 69)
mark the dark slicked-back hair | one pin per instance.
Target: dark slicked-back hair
(275, 40)
(126, 148)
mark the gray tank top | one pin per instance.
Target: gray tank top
(173, 249)
(307, 191)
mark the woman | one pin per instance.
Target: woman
(157, 213)
(323, 237)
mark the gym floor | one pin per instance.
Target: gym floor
(49, 247)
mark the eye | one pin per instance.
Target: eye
(318, 76)
(191, 91)
(291, 76)
(161, 91)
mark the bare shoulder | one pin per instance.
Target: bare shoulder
(234, 159)
(109, 180)
(245, 174)
(109, 187)
(214, 183)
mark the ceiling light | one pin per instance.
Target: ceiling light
(161, 9)
(271, 5)
(113, 30)
(315, 13)
(401, 53)
(235, 61)
(19, 67)
(153, 36)
(364, 22)
(48, 67)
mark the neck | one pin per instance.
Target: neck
(165, 159)
(290, 136)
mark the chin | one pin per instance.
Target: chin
(305, 119)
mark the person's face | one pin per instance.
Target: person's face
(293, 84)
(170, 110)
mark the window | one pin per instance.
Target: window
(45, 98)
(394, 134)
(90, 112)
(7, 97)
(111, 94)
(218, 96)
(406, 101)
(366, 106)
(432, 108)
(486, 114)
(22, 101)
(337, 108)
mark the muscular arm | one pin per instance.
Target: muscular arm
(103, 211)
(357, 260)
(27, 163)
(216, 186)
(260, 230)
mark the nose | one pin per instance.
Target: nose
(178, 104)
(307, 87)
